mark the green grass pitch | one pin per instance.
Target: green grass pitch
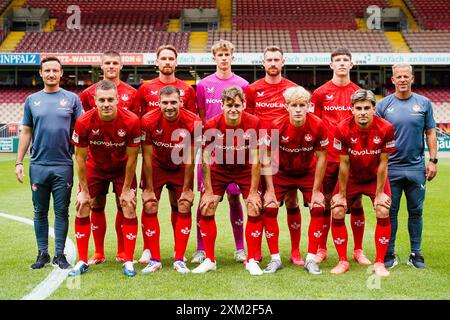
(230, 281)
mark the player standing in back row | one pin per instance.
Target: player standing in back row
(209, 101)
(332, 103)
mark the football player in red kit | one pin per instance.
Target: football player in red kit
(147, 99)
(302, 139)
(332, 103)
(265, 100)
(111, 67)
(107, 141)
(230, 155)
(364, 142)
(168, 136)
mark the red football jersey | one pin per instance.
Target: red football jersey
(297, 145)
(364, 146)
(266, 100)
(157, 131)
(230, 146)
(125, 92)
(332, 104)
(147, 97)
(107, 141)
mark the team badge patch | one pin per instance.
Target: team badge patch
(63, 102)
(75, 137)
(376, 140)
(337, 144)
(121, 133)
(416, 108)
(125, 97)
(308, 138)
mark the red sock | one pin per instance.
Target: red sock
(208, 230)
(151, 232)
(129, 231)
(326, 229)
(294, 220)
(98, 225)
(357, 221)
(253, 232)
(82, 234)
(340, 237)
(382, 236)
(173, 218)
(271, 229)
(119, 221)
(315, 229)
(182, 232)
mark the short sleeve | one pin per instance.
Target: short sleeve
(315, 105)
(78, 108)
(430, 123)
(200, 96)
(339, 142)
(146, 131)
(135, 133)
(27, 116)
(250, 100)
(322, 142)
(389, 141)
(80, 135)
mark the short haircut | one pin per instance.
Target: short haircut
(168, 90)
(105, 85)
(231, 93)
(48, 59)
(363, 95)
(273, 49)
(111, 54)
(166, 47)
(341, 51)
(222, 45)
(402, 66)
(296, 93)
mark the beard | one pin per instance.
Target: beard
(167, 71)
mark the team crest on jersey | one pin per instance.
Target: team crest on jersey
(260, 94)
(125, 97)
(121, 133)
(159, 132)
(376, 140)
(154, 93)
(182, 93)
(354, 140)
(63, 102)
(329, 97)
(96, 132)
(308, 137)
(210, 90)
(416, 108)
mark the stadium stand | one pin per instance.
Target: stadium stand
(428, 40)
(4, 4)
(431, 15)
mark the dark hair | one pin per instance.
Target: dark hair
(168, 90)
(47, 59)
(364, 95)
(341, 51)
(105, 85)
(231, 93)
(166, 47)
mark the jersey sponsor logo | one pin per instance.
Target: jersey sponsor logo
(390, 144)
(233, 148)
(36, 103)
(168, 145)
(337, 144)
(353, 140)
(337, 108)
(270, 105)
(96, 132)
(125, 97)
(213, 101)
(308, 137)
(324, 143)
(153, 103)
(260, 93)
(63, 102)
(364, 152)
(329, 97)
(284, 138)
(376, 140)
(159, 132)
(121, 133)
(210, 90)
(154, 92)
(75, 137)
(297, 150)
(107, 143)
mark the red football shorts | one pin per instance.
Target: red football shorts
(285, 181)
(368, 188)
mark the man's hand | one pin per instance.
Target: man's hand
(339, 200)
(208, 203)
(255, 199)
(149, 201)
(186, 196)
(20, 172)
(317, 200)
(382, 199)
(270, 198)
(83, 202)
(431, 171)
(128, 199)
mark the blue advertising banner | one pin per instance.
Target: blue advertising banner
(19, 59)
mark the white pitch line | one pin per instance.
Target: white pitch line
(44, 289)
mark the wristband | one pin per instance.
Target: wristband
(434, 160)
(19, 164)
